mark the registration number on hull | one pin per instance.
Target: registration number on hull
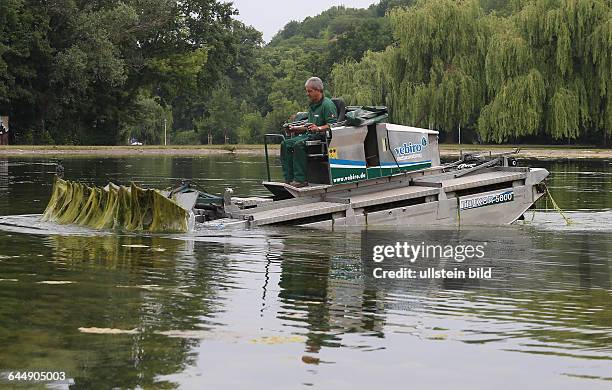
(476, 201)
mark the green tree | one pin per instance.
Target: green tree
(433, 76)
(147, 126)
(287, 94)
(252, 128)
(222, 120)
(72, 72)
(361, 83)
(233, 56)
(359, 36)
(540, 69)
(550, 72)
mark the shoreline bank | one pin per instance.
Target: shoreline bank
(446, 150)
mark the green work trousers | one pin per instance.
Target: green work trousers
(294, 156)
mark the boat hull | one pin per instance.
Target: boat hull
(491, 196)
(431, 214)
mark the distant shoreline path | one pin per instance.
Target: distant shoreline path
(546, 152)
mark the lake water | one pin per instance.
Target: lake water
(290, 308)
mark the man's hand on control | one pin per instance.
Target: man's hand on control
(296, 130)
(300, 129)
(317, 129)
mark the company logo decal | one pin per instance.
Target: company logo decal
(410, 150)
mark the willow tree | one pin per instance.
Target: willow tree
(548, 71)
(433, 75)
(361, 83)
(543, 71)
(515, 88)
(437, 75)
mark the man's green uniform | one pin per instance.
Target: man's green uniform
(293, 150)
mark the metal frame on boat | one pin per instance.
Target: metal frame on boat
(387, 174)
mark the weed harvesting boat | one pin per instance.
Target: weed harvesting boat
(365, 173)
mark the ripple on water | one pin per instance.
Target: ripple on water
(586, 220)
(290, 299)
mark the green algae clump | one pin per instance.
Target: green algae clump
(114, 208)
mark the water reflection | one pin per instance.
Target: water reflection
(118, 282)
(292, 307)
(4, 183)
(578, 184)
(182, 295)
(558, 284)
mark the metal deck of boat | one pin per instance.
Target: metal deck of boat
(486, 177)
(320, 202)
(372, 197)
(283, 191)
(293, 212)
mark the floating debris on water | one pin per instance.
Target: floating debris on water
(273, 340)
(311, 360)
(187, 334)
(95, 330)
(438, 337)
(150, 287)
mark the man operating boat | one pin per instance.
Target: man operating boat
(321, 114)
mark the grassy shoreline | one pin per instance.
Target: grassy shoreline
(446, 150)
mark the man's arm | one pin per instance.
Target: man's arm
(331, 116)
(318, 129)
(299, 129)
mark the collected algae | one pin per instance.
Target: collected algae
(114, 207)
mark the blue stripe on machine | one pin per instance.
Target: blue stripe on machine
(404, 164)
(347, 162)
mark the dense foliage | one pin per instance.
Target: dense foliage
(538, 71)
(99, 72)
(103, 72)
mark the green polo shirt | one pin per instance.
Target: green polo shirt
(323, 112)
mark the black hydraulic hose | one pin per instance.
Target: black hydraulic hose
(391, 150)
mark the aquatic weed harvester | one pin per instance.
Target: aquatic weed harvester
(365, 172)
